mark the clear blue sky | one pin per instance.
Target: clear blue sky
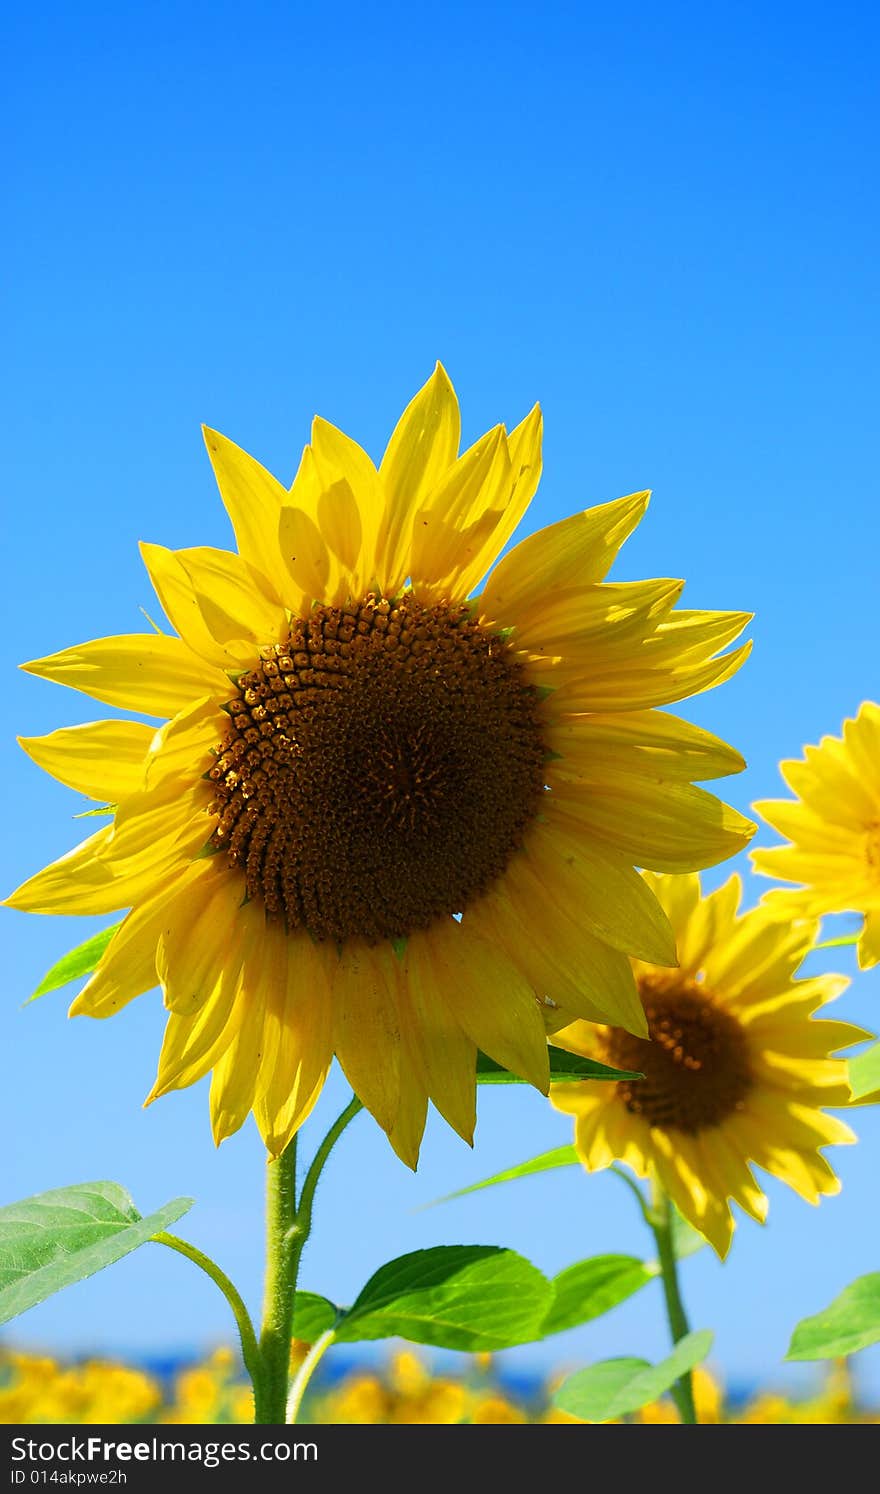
(655, 219)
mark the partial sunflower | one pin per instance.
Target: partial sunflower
(736, 1070)
(388, 818)
(834, 830)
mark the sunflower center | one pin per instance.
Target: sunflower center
(696, 1064)
(380, 768)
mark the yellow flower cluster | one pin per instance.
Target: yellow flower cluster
(404, 1392)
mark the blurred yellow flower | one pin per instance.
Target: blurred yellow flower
(737, 1070)
(833, 828)
(36, 1389)
(388, 820)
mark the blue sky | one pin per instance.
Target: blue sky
(657, 221)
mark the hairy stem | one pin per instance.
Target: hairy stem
(660, 1218)
(249, 1347)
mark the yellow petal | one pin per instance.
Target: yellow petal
(443, 1054)
(146, 672)
(239, 611)
(180, 604)
(253, 499)
(196, 935)
(524, 450)
(127, 967)
(195, 1040)
(560, 959)
(869, 941)
(406, 1133)
(184, 748)
(580, 628)
(645, 679)
(83, 881)
(452, 526)
(602, 890)
(299, 1035)
(366, 1028)
(489, 999)
(315, 571)
(797, 822)
(351, 506)
(671, 827)
(234, 1080)
(650, 743)
(424, 444)
(103, 759)
(574, 552)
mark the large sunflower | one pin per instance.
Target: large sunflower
(834, 830)
(388, 819)
(736, 1070)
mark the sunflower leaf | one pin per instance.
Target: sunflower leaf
(54, 1239)
(313, 1315)
(560, 1156)
(592, 1287)
(565, 1068)
(615, 1387)
(76, 963)
(851, 1322)
(864, 1073)
(466, 1297)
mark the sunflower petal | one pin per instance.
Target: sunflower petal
(103, 759)
(574, 552)
(490, 1000)
(253, 499)
(367, 1028)
(602, 890)
(424, 444)
(146, 672)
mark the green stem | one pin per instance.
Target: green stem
(280, 1287)
(249, 1347)
(660, 1218)
(288, 1226)
(304, 1373)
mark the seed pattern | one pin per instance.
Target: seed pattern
(381, 768)
(696, 1064)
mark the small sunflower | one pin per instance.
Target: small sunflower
(736, 1069)
(834, 830)
(387, 818)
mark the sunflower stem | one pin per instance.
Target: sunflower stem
(288, 1226)
(660, 1218)
(280, 1288)
(249, 1348)
(304, 1373)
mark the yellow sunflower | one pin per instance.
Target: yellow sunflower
(388, 819)
(736, 1070)
(834, 830)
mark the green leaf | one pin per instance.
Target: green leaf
(54, 1239)
(685, 1239)
(852, 1322)
(615, 1387)
(312, 1316)
(561, 1156)
(468, 1297)
(839, 942)
(564, 1068)
(864, 1073)
(591, 1288)
(78, 962)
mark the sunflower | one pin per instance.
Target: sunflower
(834, 830)
(736, 1070)
(387, 818)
